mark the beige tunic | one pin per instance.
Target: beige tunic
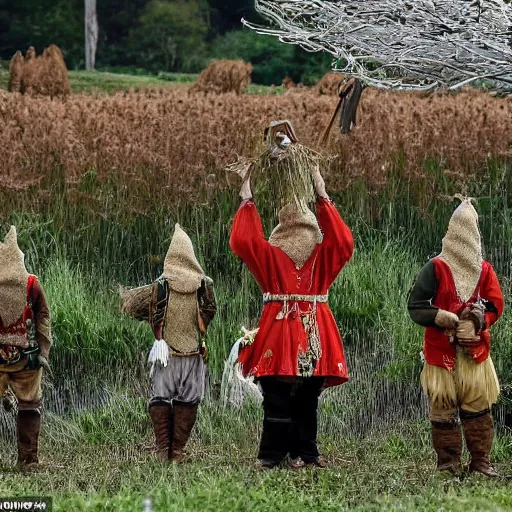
(181, 330)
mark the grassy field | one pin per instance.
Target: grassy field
(102, 461)
(109, 82)
(94, 223)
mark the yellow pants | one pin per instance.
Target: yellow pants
(25, 384)
(471, 387)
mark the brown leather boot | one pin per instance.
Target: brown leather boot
(185, 415)
(160, 413)
(28, 426)
(479, 433)
(447, 442)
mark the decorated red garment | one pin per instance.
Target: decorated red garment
(286, 329)
(17, 332)
(437, 347)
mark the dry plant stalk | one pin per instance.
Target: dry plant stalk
(223, 76)
(146, 141)
(45, 75)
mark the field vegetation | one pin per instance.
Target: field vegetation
(95, 184)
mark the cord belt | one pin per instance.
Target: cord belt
(269, 297)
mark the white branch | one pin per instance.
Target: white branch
(409, 44)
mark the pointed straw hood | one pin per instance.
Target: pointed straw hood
(181, 267)
(297, 233)
(13, 279)
(462, 249)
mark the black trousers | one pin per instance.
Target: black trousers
(290, 419)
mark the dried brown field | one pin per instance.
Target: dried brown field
(171, 144)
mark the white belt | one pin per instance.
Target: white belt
(269, 297)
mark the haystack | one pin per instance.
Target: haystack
(329, 83)
(223, 76)
(45, 75)
(288, 83)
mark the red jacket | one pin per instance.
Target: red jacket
(276, 347)
(437, 347)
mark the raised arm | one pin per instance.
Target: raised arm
(248, 241)
(338, 243)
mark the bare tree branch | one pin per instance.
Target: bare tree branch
(408, 44)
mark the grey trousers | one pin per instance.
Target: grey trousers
(182, 380)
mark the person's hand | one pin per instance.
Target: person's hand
(243, 169)
(319, 183)
(43, 363)
(245, 191)
(446, 319)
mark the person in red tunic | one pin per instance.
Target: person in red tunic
(457, 297)
(297, 351)
(25, 343)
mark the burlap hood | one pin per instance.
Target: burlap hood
(297, 233)
(181, 267)
(462, 249)
(13, 279)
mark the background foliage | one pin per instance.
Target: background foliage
(155, 35)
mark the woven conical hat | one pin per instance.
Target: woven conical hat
(181, 267)
(13, 279)
(462, 249)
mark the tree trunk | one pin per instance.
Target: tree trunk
(91, 34)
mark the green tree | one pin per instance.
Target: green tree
(272, 60)
(39, 23)
(170, 35)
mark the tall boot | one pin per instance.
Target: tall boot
(447, 442)
(28, 426)
(185, 415)
(479, 433)
(161, 416)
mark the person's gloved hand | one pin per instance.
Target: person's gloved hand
(476, 314)
(446, 319)
(319, 183)
(43, 363)
(9, 402)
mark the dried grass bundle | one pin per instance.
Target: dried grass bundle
(45, 75)
(282, 175)
(223, 76)
(15, 72)
(136, 301)
(329, 83)
(288, 83)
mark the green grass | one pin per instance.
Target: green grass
(101, 460)
(87, 81)
(110, 81)
(90, 81)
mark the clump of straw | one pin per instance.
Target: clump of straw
(136, 301)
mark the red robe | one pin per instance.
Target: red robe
(437, 347)
(279, 342)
